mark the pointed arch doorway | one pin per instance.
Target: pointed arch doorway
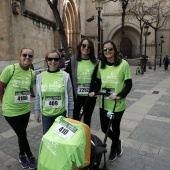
(126, 47)
(71, 24)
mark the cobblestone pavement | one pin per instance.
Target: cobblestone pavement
(144, 128)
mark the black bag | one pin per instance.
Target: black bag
(97, 149)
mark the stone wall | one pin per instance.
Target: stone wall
(25, 29)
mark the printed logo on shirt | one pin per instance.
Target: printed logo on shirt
(21, 83)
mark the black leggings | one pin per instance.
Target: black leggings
(19, 125)
(88, 104)
(114, 133)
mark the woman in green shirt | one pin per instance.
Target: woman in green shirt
(54, 96)
(15, 84)
(80, 69)
(113, 74)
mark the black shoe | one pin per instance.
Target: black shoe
(119, 148)
(32, 163)
(113, 154)
(24, 162)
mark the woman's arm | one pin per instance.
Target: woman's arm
(2, 87)
(126, 89)
(37, 109)
(70, 98)
(95, 83)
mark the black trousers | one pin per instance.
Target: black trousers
(114, 133)
(19, 125)
(88, 104)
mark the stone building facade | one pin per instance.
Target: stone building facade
(130, 46)
(30, 23)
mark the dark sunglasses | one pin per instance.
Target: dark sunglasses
(110, 49)
(85, 45)
(51, 59)
(29, 55)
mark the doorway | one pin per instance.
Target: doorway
(126, 48)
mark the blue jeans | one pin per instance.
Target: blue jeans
(48, 121)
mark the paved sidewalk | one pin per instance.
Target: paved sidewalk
(144, 128)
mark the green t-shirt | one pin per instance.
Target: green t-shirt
(53, 93)
(84, 72)
(62, 145)
(113, 77)
(16, 98)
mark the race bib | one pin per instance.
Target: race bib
(109, 91)
(53, 101)
(22, 97)
(65, 130)
(83, 88)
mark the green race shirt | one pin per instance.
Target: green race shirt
(62, 145)
(84, 71)
(52, 89)
(113, 77)
(16, 98)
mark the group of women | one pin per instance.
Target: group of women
(65, 93)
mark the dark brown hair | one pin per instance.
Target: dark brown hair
(117, 59)
(91, 54)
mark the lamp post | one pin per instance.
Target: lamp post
(143, 63)
(162, 41)
(124, 5)
(98, 6)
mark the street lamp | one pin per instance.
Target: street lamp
(99, 6)
(146, 33)
(162, 41)
(124, 5)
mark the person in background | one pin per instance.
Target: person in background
(112, 73)
(15, 84)
(80, 69)
(166, 62)
(144, 60)
(63, 59)
(54, 96)
(70, 51)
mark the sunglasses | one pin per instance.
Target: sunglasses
(110, 49)
(29, 55)
(85, 45)
(51, 59)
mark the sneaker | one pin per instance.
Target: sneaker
(32, 163)
(119, 148)
(113, 154)
(24, 162)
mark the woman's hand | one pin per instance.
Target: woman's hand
(92, 94)
(114, 97)
(38, 119)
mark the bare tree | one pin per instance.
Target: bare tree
(157, 15)
(138, 11)
(59, 25)
(153, 13)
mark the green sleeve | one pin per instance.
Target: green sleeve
(7, 74)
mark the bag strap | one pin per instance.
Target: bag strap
(12, 74)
